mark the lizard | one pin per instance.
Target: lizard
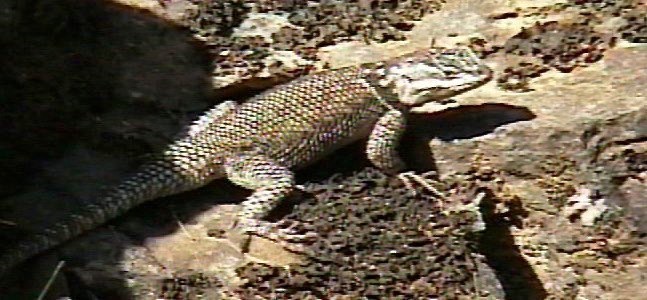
(260, 143)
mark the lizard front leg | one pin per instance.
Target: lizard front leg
(383, 142)
(382, 145)
(271, 183)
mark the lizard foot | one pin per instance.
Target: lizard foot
(291, 235)
(409, 178)
(290, 231)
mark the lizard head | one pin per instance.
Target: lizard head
(433, 75)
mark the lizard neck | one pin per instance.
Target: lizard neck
(374, 74)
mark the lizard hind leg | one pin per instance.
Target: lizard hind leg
(210, 117)
(271, 183)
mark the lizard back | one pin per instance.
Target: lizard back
(297, 124)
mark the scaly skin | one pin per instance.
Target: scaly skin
(258, 144)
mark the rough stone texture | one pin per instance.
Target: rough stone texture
(557, 144)
(258, 43)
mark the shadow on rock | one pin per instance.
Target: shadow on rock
(463, 122)
(497, 244)
(87, 88)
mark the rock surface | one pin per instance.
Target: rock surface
(556, 147)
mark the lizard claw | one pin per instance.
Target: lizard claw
(283, 232)
(409, 178)
(290, 235)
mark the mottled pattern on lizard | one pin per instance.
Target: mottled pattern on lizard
(258, 144)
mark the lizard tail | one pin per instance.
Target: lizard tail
(156, 179)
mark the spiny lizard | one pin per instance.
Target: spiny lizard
(259, 143)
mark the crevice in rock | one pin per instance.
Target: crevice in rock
(627, 142)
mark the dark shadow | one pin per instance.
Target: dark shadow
(101, 83)
(463, 122)
(345, 161)
(467, 121)
(497, 244)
